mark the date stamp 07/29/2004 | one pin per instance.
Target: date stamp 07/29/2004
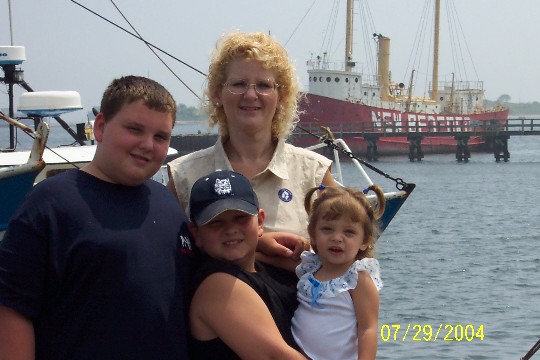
(431, 333)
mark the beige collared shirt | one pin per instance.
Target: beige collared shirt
(280, 188)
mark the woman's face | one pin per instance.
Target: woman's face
(251, 112)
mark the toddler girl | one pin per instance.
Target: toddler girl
(339, 283)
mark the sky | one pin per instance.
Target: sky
(69, 48)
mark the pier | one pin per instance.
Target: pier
(494, 135)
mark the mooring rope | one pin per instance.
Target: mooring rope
(329, 141)
(28, 131)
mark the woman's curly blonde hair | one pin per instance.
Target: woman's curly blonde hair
(266, 50)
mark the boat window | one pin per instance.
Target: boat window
(441, 98)
(314, 79)
(365, 93)
(336, 79)
(328, 79)
(356, 80)
(320, 78)
(346, 80)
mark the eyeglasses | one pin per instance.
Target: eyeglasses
(262, 87)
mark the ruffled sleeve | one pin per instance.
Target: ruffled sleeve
(372, 267)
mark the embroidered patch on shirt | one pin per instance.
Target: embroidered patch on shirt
(285, 195)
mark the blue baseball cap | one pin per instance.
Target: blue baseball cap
(218, 192)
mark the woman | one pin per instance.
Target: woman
(252, 96)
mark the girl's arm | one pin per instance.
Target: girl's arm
(226, 307)
(366, 306)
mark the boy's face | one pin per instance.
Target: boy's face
(231, 236)
(132, 144)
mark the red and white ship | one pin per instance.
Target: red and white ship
(371, 110)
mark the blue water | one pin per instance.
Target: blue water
(463, 250)
(461, 254)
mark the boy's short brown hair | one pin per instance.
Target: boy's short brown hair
(128, 89)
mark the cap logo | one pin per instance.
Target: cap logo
(222, 187)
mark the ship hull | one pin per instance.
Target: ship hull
(355, 123)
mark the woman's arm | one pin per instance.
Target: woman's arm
(16, 336)
(226, 307)
(366, 306)
(281, 249)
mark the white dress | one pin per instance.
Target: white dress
(324, 324)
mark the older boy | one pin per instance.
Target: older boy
(95, 262)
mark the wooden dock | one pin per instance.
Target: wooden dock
(496, 134)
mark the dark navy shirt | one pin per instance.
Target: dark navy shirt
(101, 269)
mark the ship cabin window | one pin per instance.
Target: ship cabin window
(314, 79)
(373, 94)
(346, 80)
(328, 79)
(320, 78)
(477, 98)
(355, 80)
(365, 93)
(336, 79)
(441, 98)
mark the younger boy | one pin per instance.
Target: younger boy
(94, 264)
(240, 308)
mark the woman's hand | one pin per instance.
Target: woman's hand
(281, 249)
(282, 244)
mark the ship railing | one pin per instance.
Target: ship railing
(434, 128)
(461, 85)
(336, 165)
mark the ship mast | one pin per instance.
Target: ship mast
(349, 64)
(435, 80)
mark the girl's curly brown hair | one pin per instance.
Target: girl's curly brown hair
(333, 202)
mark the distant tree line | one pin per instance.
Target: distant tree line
(530, 108)
(189, 113)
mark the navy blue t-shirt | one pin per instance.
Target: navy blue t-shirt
(101, 269)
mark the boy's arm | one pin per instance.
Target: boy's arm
(365, 298)
(16, 336)
(226, 307)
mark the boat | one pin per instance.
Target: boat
(379, 117)
(35, 106)
(17, 180)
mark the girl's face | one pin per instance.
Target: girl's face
(250, 112)
(338, 241)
